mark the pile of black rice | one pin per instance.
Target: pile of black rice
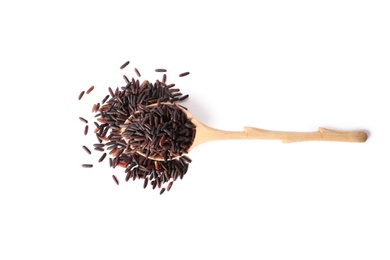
(139, 121)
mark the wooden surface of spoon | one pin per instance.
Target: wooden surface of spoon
(205, 134)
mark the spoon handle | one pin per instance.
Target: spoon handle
(323, 134)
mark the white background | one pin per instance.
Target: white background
(280, 65)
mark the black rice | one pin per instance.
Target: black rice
(83, 120)
(115, 179)
(81, 94)
(126, 79)
(90, 90)
(87, 165)
(128, 176)
(160, 139)
(111, 92)
(98, 137)
(137, 72)
(105, 99)
(86, 130)
(102, 157)
(169, 186)
(124, 65)
(86, 149)
(183, 97)
(186, 158)
(183, 74)
(160, 130)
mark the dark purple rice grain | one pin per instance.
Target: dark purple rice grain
(186, 158)
(87, 165)
(99, 149)
(81, 94)
(137, 72)
(86, 130)
(114, 162)
(90, 90)
(83, 120)
(97, 107)
(110, 143)
(145, 182)
(86, 149)
(128, 176)
(111, 92)
(183, 97)
(105, 99)
(124, 65)
(110, 161)
(183, 74)
(102, 157)
(160, 70)
(169, 186)
(183, 107)
(115, 179)
(164, 78)
(177, 94)
(162, 191)
(99, 139)
(189, 125)
(126, 79)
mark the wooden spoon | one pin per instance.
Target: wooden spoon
(205, 134)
